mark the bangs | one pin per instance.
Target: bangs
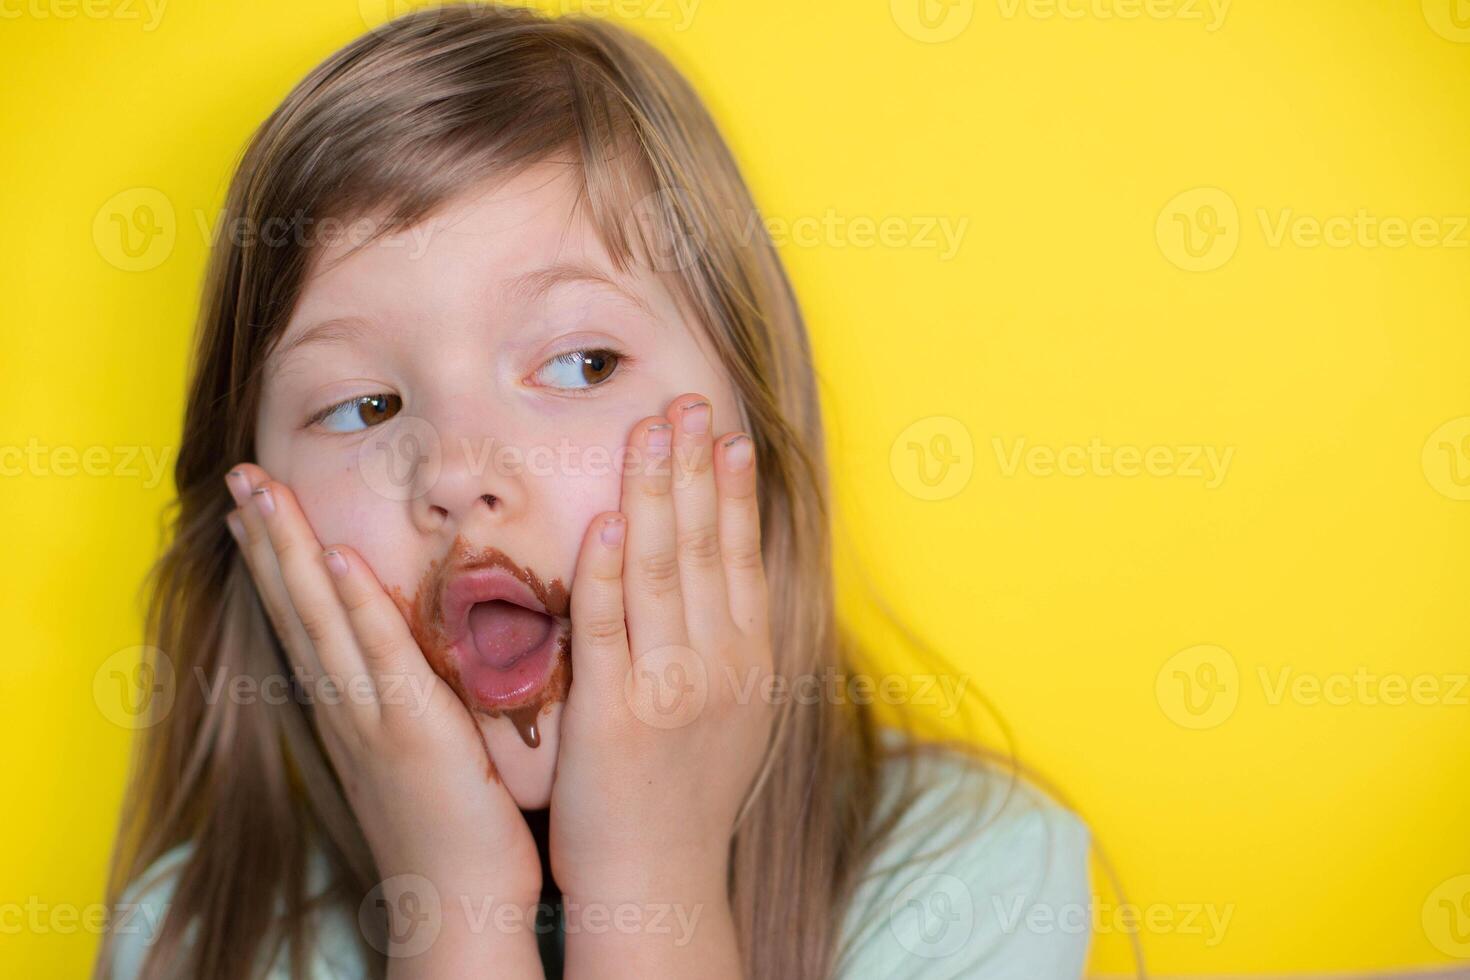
(469, 116)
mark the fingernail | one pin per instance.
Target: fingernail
(612, 531)
(239, 486)
(237, 529)
(335, 562)
(696, 418)
(264, 500)
(739, 451)
(660, 437)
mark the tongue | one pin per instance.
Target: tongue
(503, 632)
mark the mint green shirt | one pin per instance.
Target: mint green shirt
(1010, 900)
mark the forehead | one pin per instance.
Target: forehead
(469, 250)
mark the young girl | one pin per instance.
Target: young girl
(498, 612)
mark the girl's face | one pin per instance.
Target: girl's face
(472, 391)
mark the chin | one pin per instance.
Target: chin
(526, 772)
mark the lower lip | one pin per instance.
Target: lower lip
(511, 686)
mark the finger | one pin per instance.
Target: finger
(298, 554)
(697, 522)
(600, 657)
(391, 656)
(255, 547)
(740, 533)
(653, 601)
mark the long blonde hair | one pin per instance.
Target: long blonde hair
(398, 122)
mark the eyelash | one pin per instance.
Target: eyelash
(331, 410)
(621, 360)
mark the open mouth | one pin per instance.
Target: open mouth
(507, 652)
(504, 641)
(496, 632)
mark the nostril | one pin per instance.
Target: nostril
(490, 500)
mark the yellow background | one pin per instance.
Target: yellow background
(1060, 141)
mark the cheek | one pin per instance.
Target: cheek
(341, 509)
(338, 505)
(583, 474)
(579, 475)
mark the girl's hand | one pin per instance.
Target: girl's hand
(667, 720)
(409, 755)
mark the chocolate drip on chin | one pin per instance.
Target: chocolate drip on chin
(421, 613)
(525, 721)
(527, 717)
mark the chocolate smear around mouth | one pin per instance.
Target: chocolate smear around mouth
(424, 615)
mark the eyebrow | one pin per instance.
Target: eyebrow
(529, 286)
(537, 283)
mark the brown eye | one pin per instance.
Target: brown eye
(357, 414)
(579, 369)
(378, 408)
(597, 365)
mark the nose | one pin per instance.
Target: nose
(470, 489)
